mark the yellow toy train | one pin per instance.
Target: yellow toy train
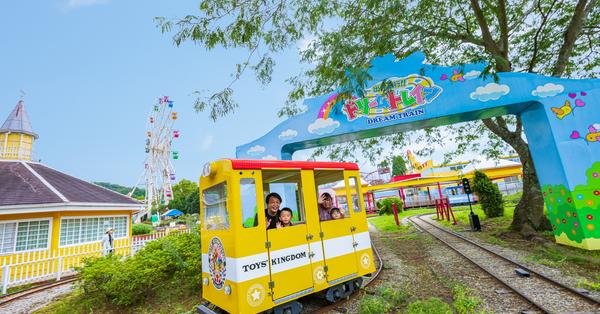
(248, 268)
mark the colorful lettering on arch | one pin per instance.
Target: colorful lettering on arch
(391, 96)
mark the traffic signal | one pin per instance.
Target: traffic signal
(466, 186)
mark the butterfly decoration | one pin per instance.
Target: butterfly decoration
(456, 76)
(592, 136)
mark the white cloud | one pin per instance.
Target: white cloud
(256, 150)
(472, 74)
(548, 90)
(269, 157)
(84, 3)
(207, 142)
(323, 126)
(288, 134)
(491, 91)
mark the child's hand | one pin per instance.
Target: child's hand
(278, 224)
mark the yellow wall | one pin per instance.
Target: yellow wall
(15, 144)
(53, 247)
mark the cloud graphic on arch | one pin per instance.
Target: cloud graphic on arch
(288, 134)
(323, 126)
(491, 91)
(473, 74)
(269, 157)
(547, 90)
(256, 150)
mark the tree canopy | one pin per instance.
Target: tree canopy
(186, 197)
(552, 37)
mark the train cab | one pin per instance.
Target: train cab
(248, 268)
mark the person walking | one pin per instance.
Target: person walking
(107, 242)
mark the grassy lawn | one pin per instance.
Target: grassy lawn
(386, 223)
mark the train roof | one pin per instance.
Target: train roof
(291, 164)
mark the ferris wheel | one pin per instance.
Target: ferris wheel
(159, 173)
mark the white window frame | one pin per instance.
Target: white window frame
(127, 223)
(14, 245)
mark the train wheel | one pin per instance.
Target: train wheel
(293, 307)
(342, 290)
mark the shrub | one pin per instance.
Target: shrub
(171, 265)
(138, 229)
(429, 306)
(385, 205)
(489, 195)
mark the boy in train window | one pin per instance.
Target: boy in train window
(285, 218)
(336, 213)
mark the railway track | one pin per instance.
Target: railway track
(544, 293)
(12, 297)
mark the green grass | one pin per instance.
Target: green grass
(385, 299)
(429, 306)
(386, 223)
(465, 302)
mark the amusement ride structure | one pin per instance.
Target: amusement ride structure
(158, 170)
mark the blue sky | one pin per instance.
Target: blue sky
(92, 69)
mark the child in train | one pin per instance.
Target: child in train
(285, 218)
(336, 213)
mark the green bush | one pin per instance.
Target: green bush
(489, 195)
(385, 205)
(171, 265)
(429, 306)
(138, 229)
(373, 304)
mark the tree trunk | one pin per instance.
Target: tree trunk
(529, 213)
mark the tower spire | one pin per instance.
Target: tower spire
(16, 134)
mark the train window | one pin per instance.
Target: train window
(355, 194)
(214, 201)
(248, 199)
(331, 182)
(288, 185)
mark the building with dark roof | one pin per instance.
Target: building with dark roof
(43, 210)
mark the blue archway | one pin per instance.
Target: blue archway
(561, 119)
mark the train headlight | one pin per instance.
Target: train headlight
(206, 170)
(205, 281)
(227, 290)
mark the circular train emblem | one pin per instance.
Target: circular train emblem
(319, 276)
(217, 263)
(255, 295)
(365, 260)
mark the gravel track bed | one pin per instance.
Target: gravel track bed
(553, 298)
(36, 301)
(522, 257)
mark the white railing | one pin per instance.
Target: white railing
(31, 267)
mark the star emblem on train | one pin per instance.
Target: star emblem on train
(365, 260)
(255, 295)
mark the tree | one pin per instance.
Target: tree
(488, 194)
(398, 166)
(385, 206)
(550, 37)
(137, 194)
(185, 197)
